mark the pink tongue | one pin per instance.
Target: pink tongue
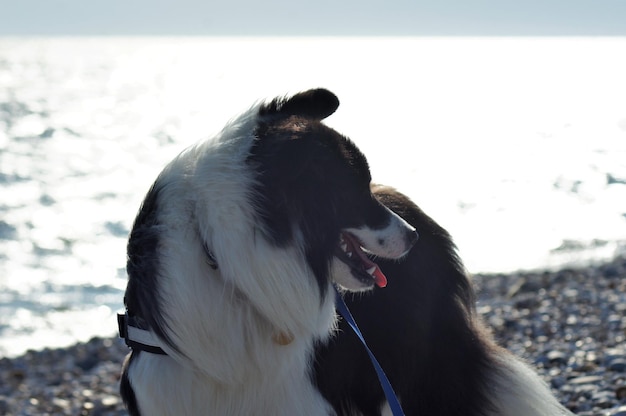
(379, 278)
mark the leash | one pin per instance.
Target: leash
(392, 399)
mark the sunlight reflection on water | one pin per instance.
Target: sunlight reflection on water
(508, 143)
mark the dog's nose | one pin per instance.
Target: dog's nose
(412, 237)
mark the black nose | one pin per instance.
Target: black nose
(412, 237)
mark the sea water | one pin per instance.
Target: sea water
(516, 145)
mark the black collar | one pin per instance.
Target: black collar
(137, 338)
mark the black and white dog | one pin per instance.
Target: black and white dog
(230, 259)
(425, 332)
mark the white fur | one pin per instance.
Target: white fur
(389, 242)
(518, 391)
(224, 321)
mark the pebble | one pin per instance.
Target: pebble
(620, 411)
(586, 380)
(568, 324)
(80, 380)
(618, 365)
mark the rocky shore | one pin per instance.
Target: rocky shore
(568, 324)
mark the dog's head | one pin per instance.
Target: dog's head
(314, 188)
(243, 220)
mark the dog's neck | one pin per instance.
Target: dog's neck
(141, 339)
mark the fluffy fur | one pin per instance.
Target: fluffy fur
(425, 332)
(229, 260)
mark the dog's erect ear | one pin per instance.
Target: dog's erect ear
(315, 104)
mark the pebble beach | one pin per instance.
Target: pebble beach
(568, 324)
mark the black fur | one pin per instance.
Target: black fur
(294, 140)
(316, 104)
(126, 390)
(422, 327)
(141, 297)
(142, 265)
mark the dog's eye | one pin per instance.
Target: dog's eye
(210, 257)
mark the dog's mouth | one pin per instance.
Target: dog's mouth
(351, 253)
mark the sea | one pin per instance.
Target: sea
(516, 145)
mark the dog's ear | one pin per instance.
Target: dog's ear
(316, 104)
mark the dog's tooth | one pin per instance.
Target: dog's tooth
(344, 247)
(349, 253)
(371, 270)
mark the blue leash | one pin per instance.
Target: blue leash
(392, 399)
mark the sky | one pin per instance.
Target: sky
(314, 17)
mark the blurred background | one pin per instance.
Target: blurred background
(505, 121)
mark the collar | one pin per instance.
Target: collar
(136, 337)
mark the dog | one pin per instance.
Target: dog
(230, 259)
(427, 336)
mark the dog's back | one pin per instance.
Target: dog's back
(426, 334)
